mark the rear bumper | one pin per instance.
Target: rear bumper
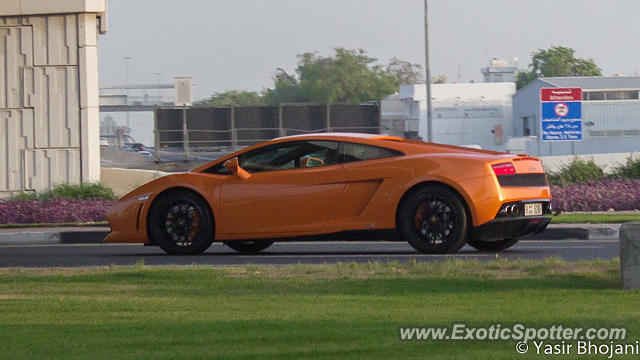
(509, 228)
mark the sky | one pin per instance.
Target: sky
(239, 44)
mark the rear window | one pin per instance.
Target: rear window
(360, 152)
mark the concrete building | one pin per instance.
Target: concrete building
(499, 71)
(610, 116)
(478, 114)
(463, 114)
(49, 127)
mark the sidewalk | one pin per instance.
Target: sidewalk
(95, 235)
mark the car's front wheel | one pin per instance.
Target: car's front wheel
(181, 223)
(492, 245)
(433, 220)
(249, 246)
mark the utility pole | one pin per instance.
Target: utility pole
(427, 72)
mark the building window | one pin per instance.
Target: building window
(610, 95)
(593, 95)
(526, 130)
(613, 133)
(622, 95)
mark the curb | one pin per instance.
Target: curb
(45, 236)
(578, 232)
(95, 235)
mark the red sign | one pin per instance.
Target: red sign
(560, 94)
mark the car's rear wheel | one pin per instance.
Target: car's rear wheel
(249, 246)
(492, 245)
(181, 223)
(433, 220)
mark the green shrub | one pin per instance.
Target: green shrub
(630, 169)
(91, 191)
(577, 170)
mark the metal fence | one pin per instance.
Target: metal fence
(211, 132)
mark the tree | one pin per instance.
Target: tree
(405, 72)
(556, 61)
(350, 76)
(233, 97)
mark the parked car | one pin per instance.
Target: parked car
(436, 197)
(136, 146)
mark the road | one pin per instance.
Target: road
(73, 255)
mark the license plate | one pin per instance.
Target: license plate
(532, 209)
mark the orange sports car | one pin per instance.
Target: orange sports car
(337, 186)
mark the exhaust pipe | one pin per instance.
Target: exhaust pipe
(512, 210)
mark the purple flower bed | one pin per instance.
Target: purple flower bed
(53, 211)
(607, 194)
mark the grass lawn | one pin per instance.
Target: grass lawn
(594, 218)
(343, 311)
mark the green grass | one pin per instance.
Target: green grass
(594, 218)
(343, 311)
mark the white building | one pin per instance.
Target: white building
(610, 116)
(49, 127)
(462, 114)
(499, 71)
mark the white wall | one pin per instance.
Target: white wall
(608, 162)
(462, 113)
(48, 94)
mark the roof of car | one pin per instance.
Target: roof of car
(344, 135)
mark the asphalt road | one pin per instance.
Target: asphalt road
(72, 255)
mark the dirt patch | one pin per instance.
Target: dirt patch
(114, 158)
(173, 166)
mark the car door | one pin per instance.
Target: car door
(367, 170)
(292, 191)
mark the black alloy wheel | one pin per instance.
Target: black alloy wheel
(433, 220)
(180, 222)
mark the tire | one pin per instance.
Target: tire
(492, 245)
(181, 223)
(434, 220)
(249, 246)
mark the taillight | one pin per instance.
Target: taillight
(504, 169)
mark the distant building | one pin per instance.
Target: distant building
(462, 114)
(108, 126)
(610, 116)
(499, 71)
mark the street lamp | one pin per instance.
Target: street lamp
(427, 72)
(158, 74)
(126, 87)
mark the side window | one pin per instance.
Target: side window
(218, 170)
(291, 155)
(359, 152)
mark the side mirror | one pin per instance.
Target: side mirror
(234, 167)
